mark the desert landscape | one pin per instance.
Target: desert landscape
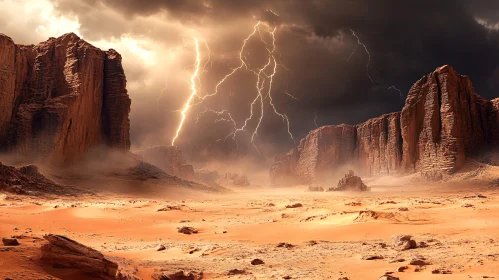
(280, 139)
(296, 234)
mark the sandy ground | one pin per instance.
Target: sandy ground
(331, 238)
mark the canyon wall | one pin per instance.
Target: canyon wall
(443, 122)
(60, 98)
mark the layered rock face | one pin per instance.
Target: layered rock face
(316, 155)
(443, 122)
(60, 98)
(168, 158)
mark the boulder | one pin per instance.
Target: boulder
(62, 252)
(401, 242)
(10, 242)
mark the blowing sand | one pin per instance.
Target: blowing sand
(330, 236)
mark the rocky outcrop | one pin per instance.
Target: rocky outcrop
(60, 98)
(350, 183)
(62, 252)
(316, 155)
(442, 123)
(169, 159)
(27, 180)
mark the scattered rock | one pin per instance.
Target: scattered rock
(181, 275)
(62, 252)
(422, 244)
(402, 209)
(353, 203)
(467, 205)
(402, 268)
(387, 202)
(10, 242)
(397, 260)
(257, 262)
(285, 245)
(194, 251)
(421, 261)
(187, 230)
(236, 272)
(311, 243)
(295, 205)
(169, 208)
(403, 242)
(388, 277)
(441, 271)
(372, 257)
(161, 248)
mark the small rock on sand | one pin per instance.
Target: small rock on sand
(419, 261)
(402, 268)
(295, 205)
(10, 242)
(187, 230)
(372, 257)
(285, 245)
(403, 209)
(401, 242)
(236, 272)
(161, 248)
(441, 271)
(388, 277)
(257, 262)
(169, 208)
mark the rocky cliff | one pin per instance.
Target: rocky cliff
(60, 98)
(443, 122)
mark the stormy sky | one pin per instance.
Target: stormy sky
(318, 80)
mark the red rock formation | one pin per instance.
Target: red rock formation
(61, 97)
(316, 155)
(379, 145)
(442, 123)
(169, 159)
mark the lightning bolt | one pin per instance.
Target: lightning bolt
(315, 119)
(399, 91)
(359, 43)
(187, 105)
(264, 81)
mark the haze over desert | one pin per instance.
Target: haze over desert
(249, 139)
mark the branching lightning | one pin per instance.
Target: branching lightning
(264, 80)
(359, 43)
(187, 105)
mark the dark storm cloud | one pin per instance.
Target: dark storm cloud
(406, 40)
